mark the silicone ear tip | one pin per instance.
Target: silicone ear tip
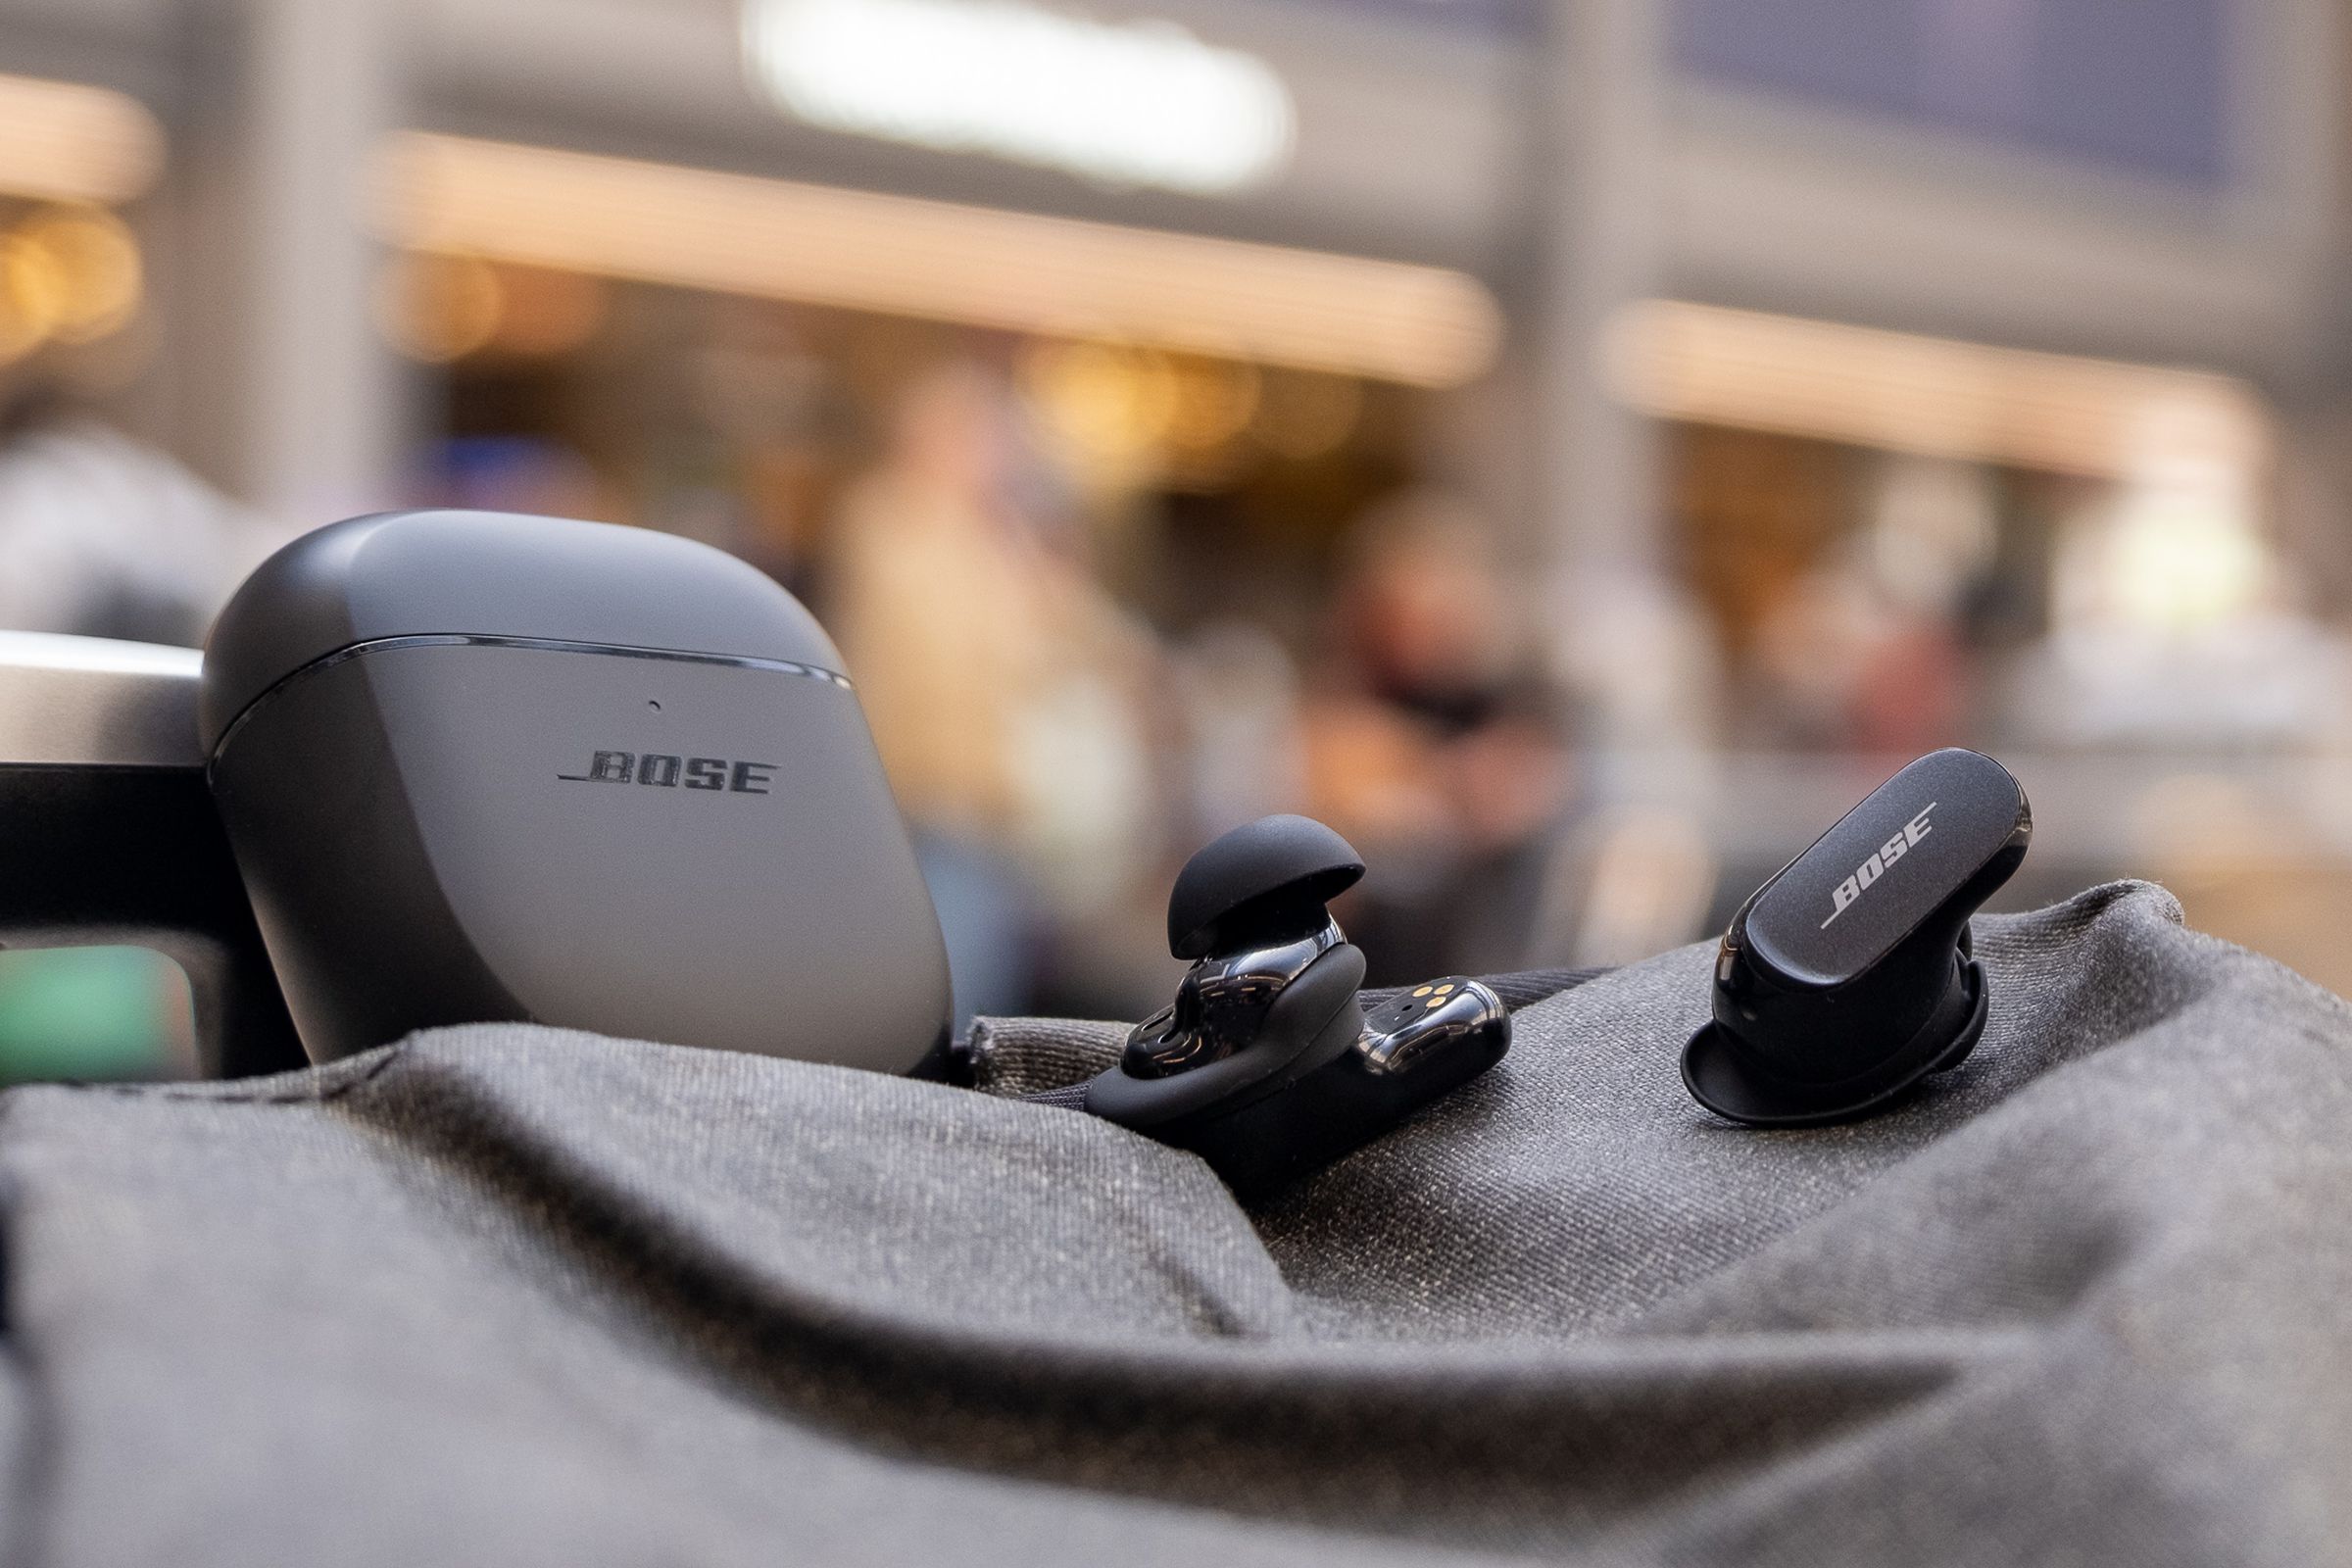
(1260, 868)
(1731, 1084)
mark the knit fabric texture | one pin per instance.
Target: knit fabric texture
(512, 1294)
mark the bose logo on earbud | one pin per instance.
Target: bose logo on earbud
(1843, 897)
(669, 772)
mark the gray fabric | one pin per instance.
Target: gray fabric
(1523, 989)
(1017, 1057)
(513, 1295)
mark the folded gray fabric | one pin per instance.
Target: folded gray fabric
(514, 1296)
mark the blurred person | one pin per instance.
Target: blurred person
(1867, 651)
(1239, 692)
(1843, 666)
(105, 536)
(1433, 743)
(1008, 693)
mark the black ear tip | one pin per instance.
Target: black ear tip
(1714, 1077)
(1728, 1078)
(1268, 870)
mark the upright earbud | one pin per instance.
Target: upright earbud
(1264, 1064)
(1248, 908)
(1848, 978)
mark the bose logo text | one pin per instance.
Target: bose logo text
(1843, 897)
(662, 771)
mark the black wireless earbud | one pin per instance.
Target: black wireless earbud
(1266, 1064)
(1848, 978)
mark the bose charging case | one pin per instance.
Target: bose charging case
(477, 766)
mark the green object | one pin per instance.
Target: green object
(92, 1013)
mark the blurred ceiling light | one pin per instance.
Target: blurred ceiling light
(1138, 103)
(1932, 396)
(62, 141)
(736, 233)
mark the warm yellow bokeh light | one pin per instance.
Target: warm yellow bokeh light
(33, 292)
(545, 311)
(439, 308)
(1109, 402)
(95, 262)
(1302, 416)
(1215, 400)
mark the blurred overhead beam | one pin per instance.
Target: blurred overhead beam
(62, 141)
(1935, 396)
(740, 235)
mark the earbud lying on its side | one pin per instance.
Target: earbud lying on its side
(1848, 978)
(1266, 1064)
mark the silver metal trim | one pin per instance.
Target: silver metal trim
(94, 701)
(558, 645)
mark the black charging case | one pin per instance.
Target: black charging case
(477, 766)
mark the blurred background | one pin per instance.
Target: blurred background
(1575, 447)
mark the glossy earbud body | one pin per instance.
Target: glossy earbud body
(1222, 1005)
(1848, 978)
(1266, 1064)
